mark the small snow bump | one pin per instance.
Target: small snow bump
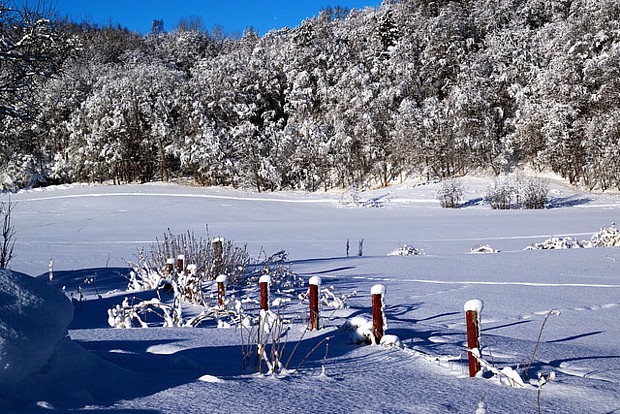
(211, 379)
(120, 351)
(406, 250)
(513, 376)
(483, 248)
(45, 405)
(164, 349)
(391, 341)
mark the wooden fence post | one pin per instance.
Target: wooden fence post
(473, 308)
(315, 282)
(180, 264)
(221, 289)
(378, 319)
(264, 283)
(169, 266)
(218, 255)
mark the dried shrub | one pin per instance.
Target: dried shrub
(532, 193)
(529, 193)
(450, 193)
(499, 194)
(205, 259)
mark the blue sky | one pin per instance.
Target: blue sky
(233, 15)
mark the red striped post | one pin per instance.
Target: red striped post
(221, 289)
(315, 282)
(264, 283)
(378, 319)
(473, 308)
(180, 263)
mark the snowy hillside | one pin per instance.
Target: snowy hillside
(91, 231)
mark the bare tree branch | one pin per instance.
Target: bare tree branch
(8, 234)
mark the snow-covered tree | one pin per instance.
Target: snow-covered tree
(361, 97)
(122, 130)
(30, 44)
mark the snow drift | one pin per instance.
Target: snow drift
(33, 321)
(38, 360)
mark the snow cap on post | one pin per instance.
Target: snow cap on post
(377, 290)
(474, 305)
(221, 279)
(265, 279)
(315, 280)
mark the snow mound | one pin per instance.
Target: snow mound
(210, 378)
(606, 237)
(34, 318)
(406, 250)
(353, 199)
(391, 341)
(556, 243)
(40, 366)
(483, 248)
(360, 330)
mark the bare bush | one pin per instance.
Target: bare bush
(499, 194)
(211, 257)
(204, 259)
(528, 193)
(275, 266)
(532, 193)
(450, 193)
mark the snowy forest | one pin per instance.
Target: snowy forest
(414, 88)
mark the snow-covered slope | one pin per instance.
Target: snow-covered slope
(38, 360)
(90, 230)
(33, 322)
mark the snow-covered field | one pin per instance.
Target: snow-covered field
(91, 231)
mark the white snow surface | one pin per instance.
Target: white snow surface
(91, 231)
